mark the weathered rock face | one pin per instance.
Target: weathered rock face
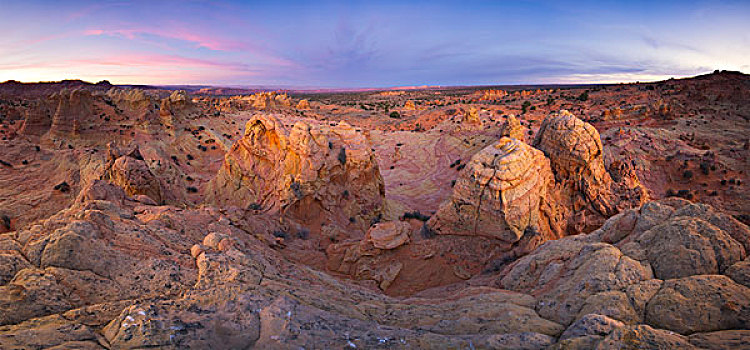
(409, 106)
(576, 154)
(74, 108)
(303, 104)
(176, 107)
(641, 267)
(307, 169)
(512, 128)
(38, 118)
(142, 105)
(503, 193)
(389, 235)
(269, 100)
(129, 171)
(471, 116)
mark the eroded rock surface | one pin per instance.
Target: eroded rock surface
(301, 168)
(503, 193)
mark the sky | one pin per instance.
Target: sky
(379, 43)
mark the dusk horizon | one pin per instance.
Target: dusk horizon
(364, 45)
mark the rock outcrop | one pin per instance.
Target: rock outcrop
(504, 193)
(303, 104)
(129, 171)
(388, 235)
(622, 272)
(512, 128)
(73, 113)
(303, 169)
(177, 107)
(577, 157)
(269, 100)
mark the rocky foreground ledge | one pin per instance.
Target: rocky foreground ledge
(111, 272)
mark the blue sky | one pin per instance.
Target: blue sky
(370, 43)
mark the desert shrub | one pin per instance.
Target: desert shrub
(427, 232)
(395, 115)
(6, 221)
(342, 156)
(525, 106)
(377, 219)
(461, 167)
(255, 206)
(192, 189)
(685, 194)
(345, 194)
(280, 234)
(687, 174)
(415, 215)
(5, 163)
(190, 157)
(453, 183)
(62, 187)
(303, 233)
(584, 96)
(705, 168)
(296, 188)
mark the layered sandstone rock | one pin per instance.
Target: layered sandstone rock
(512, 128)
(129, 171)
(504, 193)
(38, 118)
(303, 104)
(176, 108)
(74, 111)
(576, 154)
(269, 100)
(624, 272)
(302, 168)
(409, 106)
(389, 235)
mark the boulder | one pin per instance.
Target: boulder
(701, 303)
(389, 235)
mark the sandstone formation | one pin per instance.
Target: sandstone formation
(305, 169)
(74, 110)
(512, 128)
(269, 100)
(303, 104)
(388, 235)
(129, 171)
(577, 157)
(176, 108)
(504, 193)
(409, 106)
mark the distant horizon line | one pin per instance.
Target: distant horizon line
(354, 89)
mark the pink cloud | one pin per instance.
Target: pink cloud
(199, 40)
